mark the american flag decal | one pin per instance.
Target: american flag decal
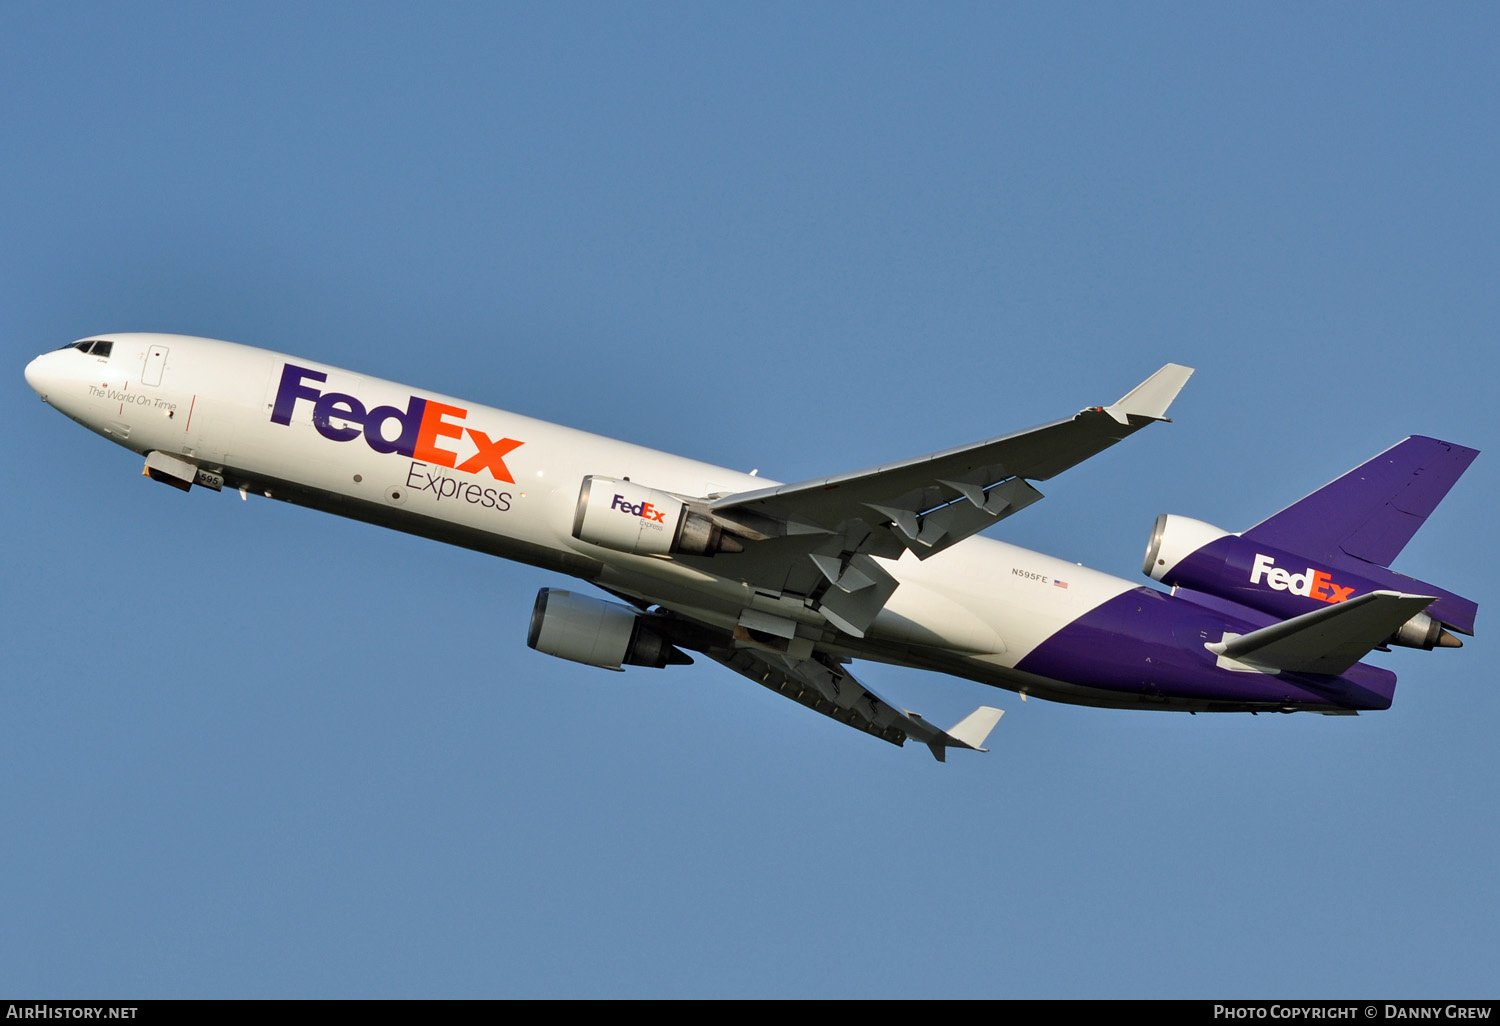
(1059, 584)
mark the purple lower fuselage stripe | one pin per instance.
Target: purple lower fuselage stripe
(1153, 645)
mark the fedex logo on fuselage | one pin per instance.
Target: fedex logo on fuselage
(421, 428)
(644, 510)
(1313, 584)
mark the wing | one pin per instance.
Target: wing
(817, 539)
(828, 688)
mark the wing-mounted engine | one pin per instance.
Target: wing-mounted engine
(629, 517)
(1189, 554)
(597, 632)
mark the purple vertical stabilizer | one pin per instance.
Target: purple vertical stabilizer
(1332, 546)
(1371, 512)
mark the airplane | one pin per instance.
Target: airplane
(787, 584)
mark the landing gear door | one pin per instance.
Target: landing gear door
(156, 362)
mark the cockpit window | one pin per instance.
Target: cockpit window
(92, 346)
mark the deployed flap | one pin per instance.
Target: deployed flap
(831, 690)
(928, 503)
(1325, 641)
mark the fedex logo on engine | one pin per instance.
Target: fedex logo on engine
(644, 510)
(1313, 584)
(420, 429)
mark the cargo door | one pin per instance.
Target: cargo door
(156, 362)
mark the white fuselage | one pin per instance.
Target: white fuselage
(507, 484)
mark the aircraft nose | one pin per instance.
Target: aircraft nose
(36, 376)
(48, 375)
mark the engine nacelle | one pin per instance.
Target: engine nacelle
(628, 517)
(1173, 538)
(596, 632)
(1423, 632)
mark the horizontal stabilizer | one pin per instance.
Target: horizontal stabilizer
(1326, 641)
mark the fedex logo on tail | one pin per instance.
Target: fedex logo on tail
(1314, 584)
(421, 428)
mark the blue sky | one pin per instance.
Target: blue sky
(249, 750)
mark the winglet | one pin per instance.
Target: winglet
(968, 732)
(1152, 397)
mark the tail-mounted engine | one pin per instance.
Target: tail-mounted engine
(597, 632)
(1187, 553)
(625, 516)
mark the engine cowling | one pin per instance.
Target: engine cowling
(628, 517)
(1174, 538)
(597, 632)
